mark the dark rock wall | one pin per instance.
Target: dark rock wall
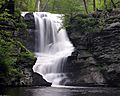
(105, 48)
(96, 59)
(30, 40)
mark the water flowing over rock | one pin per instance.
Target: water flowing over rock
(52, 47)
(94, 62)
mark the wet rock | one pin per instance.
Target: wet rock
(39, 81)
(29, 40)
(29, 19)
(27, 79)
(114, 25)
(97, 56)
(90, 60)
(84, 54)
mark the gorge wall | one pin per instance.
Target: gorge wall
(96, 60)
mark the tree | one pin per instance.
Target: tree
(85, 6)
(38, 5)
(94, 5)
(41, 5)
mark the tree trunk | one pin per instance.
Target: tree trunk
(85, 6)
(38, 5)
(94, 5)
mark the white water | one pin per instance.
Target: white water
(52, 47)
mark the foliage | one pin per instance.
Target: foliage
(84, 25)
(62, 6)
(100, 4)
(2, 2)
(25, 5)
(31, 5)
(12, 51)
(7, 57)
(69, 8)
(72, 6)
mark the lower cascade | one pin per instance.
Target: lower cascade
(52, 47)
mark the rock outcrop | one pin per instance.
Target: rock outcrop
(96, 59)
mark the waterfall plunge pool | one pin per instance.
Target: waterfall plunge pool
(52, 91)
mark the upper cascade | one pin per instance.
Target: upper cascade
(52, 46)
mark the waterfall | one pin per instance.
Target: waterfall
(52, 47)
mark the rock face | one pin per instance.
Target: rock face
(30, 40)
(105, 48)
(83, 66)
(96, 59)
(39, 81)
(28, 78)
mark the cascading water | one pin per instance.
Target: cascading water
(52, 47)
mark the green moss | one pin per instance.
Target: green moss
(12, 52)
(85, 25)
